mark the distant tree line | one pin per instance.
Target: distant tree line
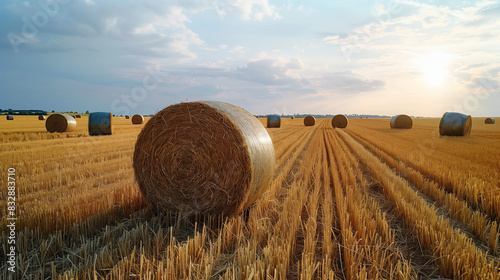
(22, 112)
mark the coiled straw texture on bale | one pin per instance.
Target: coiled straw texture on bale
(41, 117)
(309, 121)
(137, 119)
(401, 121)
(455, 124)
(60, 123)
(10, 117)
(489, 121)
(340, 121)
(203, 158)
(273, 121)
(100, 123)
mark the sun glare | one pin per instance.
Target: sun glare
(434, 67)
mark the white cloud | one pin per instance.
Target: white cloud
(272, 72)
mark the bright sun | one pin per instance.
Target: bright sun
(434, 67)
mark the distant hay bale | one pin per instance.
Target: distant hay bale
(455, 124)
(489, 121)
(127, 117)
(309, 121)
(273, 121)
(137, 119)
(401, 121)
(292, 117)
(60, 123)
(100, 123)
(10, 117)
(203, 158)
(340, 121)
(78, 116)
(41, 117)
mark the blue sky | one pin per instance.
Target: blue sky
(326, 57)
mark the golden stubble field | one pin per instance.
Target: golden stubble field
(364, 202)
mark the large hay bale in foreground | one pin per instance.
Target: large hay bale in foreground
(10, 117)
(60, 123)
(100, 123)
(137, 119)
(489, 121)
(401, 121)
(41, 117)
(309, 121)
(203, 158)
(455, 124)
(340, 121)
(273, 121)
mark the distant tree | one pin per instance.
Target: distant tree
(53, 111)
(87, 112)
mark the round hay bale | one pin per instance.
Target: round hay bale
(489, 121)
(60, 123)
(340, 121)
(10, 117)
(137, 119)
(100, 123)
(203, 158)
(401, 121)
(309, 121)
(273, 121)
(78, 116)
(293, 117)
(41, 117)
(127, 117)
(455, 124)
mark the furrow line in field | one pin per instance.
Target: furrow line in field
(423, 262)
(457, 255)
(478, 199)
(477, 223)
(368, 246)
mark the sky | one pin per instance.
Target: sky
(420, 58)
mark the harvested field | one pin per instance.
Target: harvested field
(362, 202)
